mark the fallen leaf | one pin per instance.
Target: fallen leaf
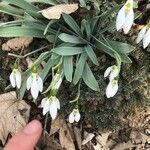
(88, 137)
(14, 115)
(16, 44)
(77, 134)
(55, 12)
(102, 139)
(65, 137)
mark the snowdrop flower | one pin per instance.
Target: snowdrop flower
(112, 88)
(125, 17)
(144, 35)
(57, 80)
(112, 72)
(35, 83)
(15, 78)
(50, 105)
(74, 116)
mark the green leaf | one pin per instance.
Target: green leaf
(51, 2)
(68, 67)
(89, 78)
(72, 24)
(67, 51)
(70, 38)
(79, 68)
(86, 26)
(91, 54)
(22, 4)
(121, 47)
(4, 7)
(82, 3)
(18, 31)
(40, 59)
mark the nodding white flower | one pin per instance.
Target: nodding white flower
(15, 78)
(144, 35)
(74, 116)
(112, 72)
(50, 105)
(125, 17)
(35, 83)
(57, 80)
(112, 88)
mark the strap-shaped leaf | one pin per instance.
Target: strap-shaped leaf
(86, 26)
(91, 54)
(89, 78)
(82, 3)
(67, 51)
(79, 68)
(70, 38)
(72, 24)
(121, 47)
(22, 4)
(23, 31)
(68, 67)
(51, 2)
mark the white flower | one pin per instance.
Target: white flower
(125, 17)
(112, 72)
(112, 88)
(35, 83)
(57, 80)
(144, 35)
(15, 78)
(74, 116)
(51, 105)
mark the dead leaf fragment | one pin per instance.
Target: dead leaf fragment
(88, 137)
(17, 43)
(11, 120)
(55, 12)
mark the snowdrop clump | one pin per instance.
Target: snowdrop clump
(112, 72)
(35, 83)
(50, 105)
(15, 78)
(125, 17)
(74, 116)
(144, 35)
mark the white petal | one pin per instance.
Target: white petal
(141, 35)
(128, 21)
(53, 110)
(146, 39)
(57, 103)
(12, 80)
(77, 116)
(71, 117)
(111, 89)
(29, 82)
(18, 79)
(40, 83)
(120, 18)
(107, 72)
(113, 74)
(34, 89)
(46, 107)
(43, 102)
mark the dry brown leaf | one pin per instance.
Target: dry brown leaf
(103, 139)
(11, 120)
(55, 12)
(124, 146)
(59, 125)
(77, 134)
(87, 138)
(17, 43)
(65, 137)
